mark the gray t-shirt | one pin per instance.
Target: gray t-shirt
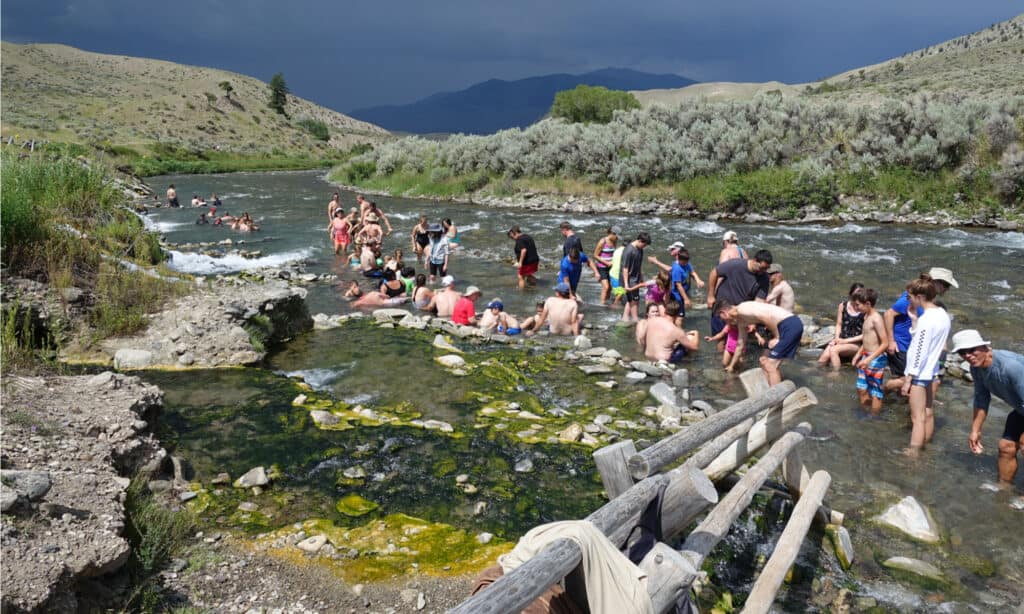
(633, 259)
(739, 284)
(1003, 378)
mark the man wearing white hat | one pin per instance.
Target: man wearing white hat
(999, 373)
(443, 302)
(730, 247)
(898, 322)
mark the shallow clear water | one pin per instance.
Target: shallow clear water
(377, 367)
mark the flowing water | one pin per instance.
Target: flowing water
(230, 421)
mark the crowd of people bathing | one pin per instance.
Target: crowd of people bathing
(750, 302)
(243, 222)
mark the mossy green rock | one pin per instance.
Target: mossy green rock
(917, 572)
(841, 543)
(354, 505)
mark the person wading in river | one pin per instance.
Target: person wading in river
(999, 373)
(898, 323)
(527, 259)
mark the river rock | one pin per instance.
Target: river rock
(127, 358)
(823, 337)
(187, 359)
(664, 395)
(8, 497)
(451, 361)
(312, 544)
(613, 354)
(390, 315)
(704, 407)
(916, 567)
(912, 518)
(635, 377)
(595, 369)
(842, 544)
(354, 473)
(484, 538)
(581, 343)
(572, 433)
(594, 352)
(257, 476)
(299, 400)
(608, 385)
(188, 495)
(413, 322)
(647, 367)
(438, 425)
(29, 484)
(524, 466)
(681, 379)
(325, 418)
(248, 506)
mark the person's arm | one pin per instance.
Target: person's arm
(890, 320)
(721, 335)
(974, 439)
(641, 333)
(522, 257)
(696, 278)
(682, 293)
(658, 263)
(624, 276)
(839, 324)
(593, 267)
(386, 222)
(741, 344)
(542, 318)
(712, 287)
(915, 357)
(597, 253)
(573, 313)
(412, 238)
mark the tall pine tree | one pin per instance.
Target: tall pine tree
(278, 94)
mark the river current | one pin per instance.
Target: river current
(230, 421)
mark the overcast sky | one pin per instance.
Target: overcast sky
(347, 55)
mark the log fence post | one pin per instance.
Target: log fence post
(611, 464)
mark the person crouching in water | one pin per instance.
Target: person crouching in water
(497, 320)
(786, 329)
(663, 340)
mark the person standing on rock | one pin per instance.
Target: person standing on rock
(571, 240)
(663, 340)
(898, 322)
(527, 259)
(632, 275)
(999, 373)
(736, 281)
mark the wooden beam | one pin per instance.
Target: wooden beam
(762, 595)
(671, 448)
(611, 464)
(714, 527)
(755, 382)
(669, 576)
(764, 431)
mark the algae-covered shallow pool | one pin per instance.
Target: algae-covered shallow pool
(230, 421)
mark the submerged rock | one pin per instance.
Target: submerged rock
(664, 394)
(842, 544)
(582, 343)
(524, 466)
(325, 418)
(912, 518)
(917, 567)
(257, 476)
(595, 369)
(635, 377)
(451, 361)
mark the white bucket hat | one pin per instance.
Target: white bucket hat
(941, 274)
(967, 339)
(730, 235)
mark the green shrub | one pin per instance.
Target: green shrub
(359, 171)
(591, 104)
(156, 534)
(318, 129)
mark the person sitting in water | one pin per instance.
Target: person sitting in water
(197, 201)
(663, 340)
(421, 294)
(391, 285)
(202, 219)
(354, 291)
(529, 325)
(378, 299)
(497, 320)
(443, 302)
(353, 261)
(464, 312)
(368, 260)
(560, 312)
(214, 200)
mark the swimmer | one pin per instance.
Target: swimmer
(497, 320)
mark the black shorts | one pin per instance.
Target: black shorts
(717, 323)
(438, 270)
(633, 296)
(898, 364)
(1014, 427)
(604, 273)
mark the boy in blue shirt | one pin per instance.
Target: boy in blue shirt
(572, 267)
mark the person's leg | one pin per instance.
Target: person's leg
(841, 351)
(1007, 462)
(826, 355)
(772, 370)
(929, 414)
(918, 418)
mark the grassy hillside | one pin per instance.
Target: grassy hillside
(984, 66)
(59, 93)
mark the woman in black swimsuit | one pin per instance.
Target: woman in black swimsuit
(391, 286)
(420, 239)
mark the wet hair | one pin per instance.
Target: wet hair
(565, 226)
(408, 272)
(764, 256)
(923, 286)
(671, 308)
(683, 254)
(652, 307)
(398, 253)
(644, 237)
(421, 280)
(664, 280)
(723, 305)
(574, 254)
(389, 275)
(864, 295)
(540, 304)
(854, 287)
(447, 221)
(514, 231)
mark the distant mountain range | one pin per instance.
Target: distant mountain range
(496, 104)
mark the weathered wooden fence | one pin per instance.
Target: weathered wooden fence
(716, 446)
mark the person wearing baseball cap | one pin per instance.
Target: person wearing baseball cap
(781, 292)
(443, 302)
(496, 320)
(730, 247)
(898, 322)
(999, 373)
(464, 312)
(560, 312)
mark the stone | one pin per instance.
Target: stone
(704, 407)
(647, 367)
(421, 601)
(127, 358)
(602, 419)
(524, 466)
(248, 506)
(221, 478)
(103, 380)
(608, 385)
(257, 476)
(413, 322)
(823, 337)
(187, 359)
(595, 369)
(438, 425)
(312, 544)
(462, 478)
(29, 484)
(324, 418)
(916, 567)
(479, 508)
(188, 495)
(582, 342)
(8, 497)
(484, 538)
(594, 352)
(664, 394)
(669, 412)
(390, 315)
(681, 379)
(299, 400)
(613, 354)
(451, 361)
(158, 486)
(912, 518)
(354, 473)
(842, 544)
(635, 377)
(572, 433)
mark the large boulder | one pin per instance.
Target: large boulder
(912, 518)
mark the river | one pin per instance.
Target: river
(233, 420)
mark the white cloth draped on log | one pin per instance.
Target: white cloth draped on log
(614, 584)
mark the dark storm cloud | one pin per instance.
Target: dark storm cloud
(353, 54)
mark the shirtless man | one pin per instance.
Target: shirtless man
(368, 260)
(172, 197)
(445, 300)
(333, 206)
(664, 341)
(561, 313)
(786, 329)
(496, 319)
(374, 211)
(781, 293)
(871, 359)
(730, 247)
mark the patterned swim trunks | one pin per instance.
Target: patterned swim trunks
(870, 379)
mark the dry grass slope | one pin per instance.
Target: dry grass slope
(61, 93)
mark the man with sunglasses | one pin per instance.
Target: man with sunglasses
(1001, 373)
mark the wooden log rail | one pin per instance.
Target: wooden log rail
(723, 442)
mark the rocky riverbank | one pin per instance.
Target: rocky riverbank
(849, 208)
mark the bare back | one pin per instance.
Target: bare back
(756, 312)
(445, 302)
(561, 314)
